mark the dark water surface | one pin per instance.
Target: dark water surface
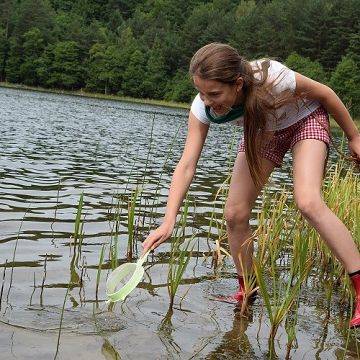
(52, 149)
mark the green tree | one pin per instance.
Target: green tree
(33, 14)
(244, 8)
(208, 22)
(354, 46)
(342, 24)
(66, 69)
(262, 30)
(307, 67)
(180, 88)
(12, 69)
(345, 82)
(44, 66)
(62, 5)
(311, 34)
(134, 75)
(6, 11)
(155, 74)
(106, 66)
(4, 45)
(33, 48)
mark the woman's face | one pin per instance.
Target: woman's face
(219, 96)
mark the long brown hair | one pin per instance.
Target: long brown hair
(223, 63)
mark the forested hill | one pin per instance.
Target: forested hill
(142, 48)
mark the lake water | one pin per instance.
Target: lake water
(53, 148)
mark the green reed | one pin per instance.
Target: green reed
(219, 252)
(131, 221)
(76, 242)
(288, 248)
(43, 280)
(61, 321)
(14, 254)
(342, 194)
(3, 282)
(78, 223)
(98, 274)
(277, 257)
(132, 202)
(179, 256)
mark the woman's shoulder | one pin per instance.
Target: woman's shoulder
(276, 72)
(198, 109)
(273, 66)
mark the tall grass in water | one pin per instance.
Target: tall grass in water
(131, 221)
(3, 283)
(275, 233)
(98, 274)
(179, 257)
(131, 201)
(342, 193)
(288, 248)
(61, 321)
(77, 240)
(14, 253)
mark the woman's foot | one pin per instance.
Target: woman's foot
(239, 296)
(235, 299)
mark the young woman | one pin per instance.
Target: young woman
(280, 110)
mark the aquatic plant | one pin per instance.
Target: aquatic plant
(98, 274)
(131, 221)
(3, 283)
(288, 247)
(76, 243)
(43, 280)
(179, 257)
(61, 321)
(14, 254)
(281, 263)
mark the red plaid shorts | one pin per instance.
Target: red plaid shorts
(314, 126)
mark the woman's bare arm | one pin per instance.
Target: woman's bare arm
(334, 106)
(181, 180)
(328, 98)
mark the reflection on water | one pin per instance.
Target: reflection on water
(52, 149)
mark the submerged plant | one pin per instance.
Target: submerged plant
(288, 247)
(179, 257)
(131, 221)
(98, 274)
(61, 321)
(77, 239)
(281, 255)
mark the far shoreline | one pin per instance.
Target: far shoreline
(92, 95)
(81, 93)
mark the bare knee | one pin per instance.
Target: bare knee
(237, 216)
(309, 205)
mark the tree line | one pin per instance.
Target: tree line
(142, 48)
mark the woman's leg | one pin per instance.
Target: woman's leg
(309, 159)
(242, 195)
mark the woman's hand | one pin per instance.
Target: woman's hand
(354, 146)
(158, 236)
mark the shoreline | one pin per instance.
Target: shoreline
(80, 93)
(163, 103)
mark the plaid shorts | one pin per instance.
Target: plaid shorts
(314, 126)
